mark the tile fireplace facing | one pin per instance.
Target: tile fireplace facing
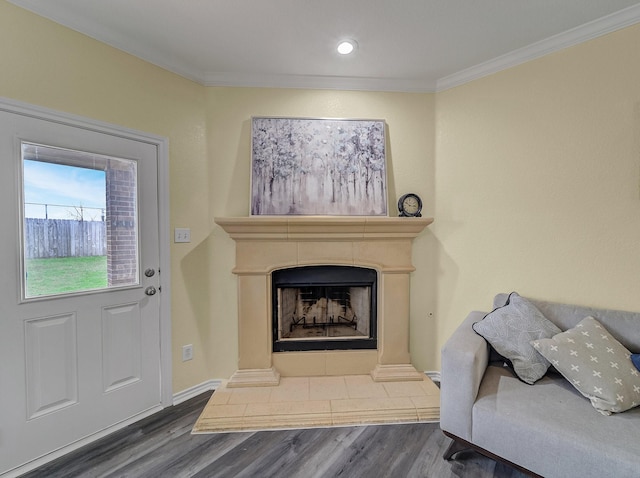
(271, 244)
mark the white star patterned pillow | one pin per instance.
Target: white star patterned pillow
(596, 364)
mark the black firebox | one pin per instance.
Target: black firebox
(324, 308)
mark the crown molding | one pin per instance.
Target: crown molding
(607, 24)
(317, 82)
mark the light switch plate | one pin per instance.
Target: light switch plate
(182, 234)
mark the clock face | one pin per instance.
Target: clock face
(411, 205)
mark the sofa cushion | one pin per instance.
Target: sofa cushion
(596, 364)
(551, 430)
(511, 328)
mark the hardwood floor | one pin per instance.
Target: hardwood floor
(162, 446)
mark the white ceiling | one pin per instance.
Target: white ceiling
(404, 45)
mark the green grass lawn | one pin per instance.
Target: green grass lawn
(65, 274)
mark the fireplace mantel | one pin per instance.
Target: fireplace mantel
(312, 228)
(267, 243)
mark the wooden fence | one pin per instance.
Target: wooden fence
(46, 238)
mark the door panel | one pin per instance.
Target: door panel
(74, 364)
(52, 364)
(121, 355)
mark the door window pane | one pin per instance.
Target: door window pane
(80, 229)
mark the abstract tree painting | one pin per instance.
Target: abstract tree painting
(304, 166)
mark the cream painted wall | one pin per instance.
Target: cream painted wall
(51, 66)
(410, 127)
(532, 174)
(537, 182)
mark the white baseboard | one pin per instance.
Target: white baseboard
(196, 390)
(434, 376)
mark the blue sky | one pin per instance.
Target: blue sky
(49, 183)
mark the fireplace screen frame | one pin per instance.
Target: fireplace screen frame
(325, 276)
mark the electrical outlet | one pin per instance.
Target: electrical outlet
(182, 234)
(187, 352)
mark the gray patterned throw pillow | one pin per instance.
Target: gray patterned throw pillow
(511, 328)
(596, 364)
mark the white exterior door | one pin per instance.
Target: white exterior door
(80, 328)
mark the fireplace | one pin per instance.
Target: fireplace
(266, 246)
(324, 308)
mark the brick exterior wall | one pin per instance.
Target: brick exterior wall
(122, 241)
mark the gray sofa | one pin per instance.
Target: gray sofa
(547, 429)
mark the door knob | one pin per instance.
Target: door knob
(150, 290)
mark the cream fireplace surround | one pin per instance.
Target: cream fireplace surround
(268, 243)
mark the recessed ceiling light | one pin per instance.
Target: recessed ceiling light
(347, 46)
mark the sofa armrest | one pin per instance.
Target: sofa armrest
(465, 357)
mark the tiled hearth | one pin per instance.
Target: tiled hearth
(304, 402)
(268, 243)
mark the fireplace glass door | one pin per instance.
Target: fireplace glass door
(324, 308)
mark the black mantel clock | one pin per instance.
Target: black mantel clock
(410, 205)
